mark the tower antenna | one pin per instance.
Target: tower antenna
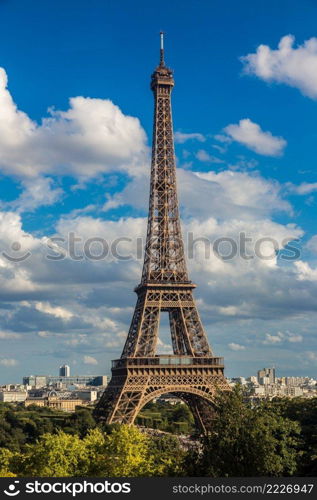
(162, 63)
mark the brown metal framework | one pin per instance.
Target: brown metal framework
(192, 372)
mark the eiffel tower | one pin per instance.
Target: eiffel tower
(192, 373)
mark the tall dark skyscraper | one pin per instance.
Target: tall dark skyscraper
(64, 371)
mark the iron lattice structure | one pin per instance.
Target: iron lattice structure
(192, 372)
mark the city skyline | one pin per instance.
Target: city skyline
(81, 167)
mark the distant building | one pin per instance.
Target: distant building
(13, 396)
(61, 400)
(266, 376)
(259, 390)
(86, 395)
(38, 381)
(238, 380)
(78, 380)
(274, 390)
(55, 402)
(295, 381)
(64, 371)
(168, 398)
(294, 391)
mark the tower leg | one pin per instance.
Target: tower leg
(203, 412)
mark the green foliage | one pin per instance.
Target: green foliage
(167, 454)
(56, 455)
(176, 419)
(6, 457)
(128, 454)
(123, 452)
(247, 441)
(81, 421)
(20, 426)
(303, 411)
(274, 439)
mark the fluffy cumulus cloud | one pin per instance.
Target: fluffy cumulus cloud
(90, 360)
(253, 137)
(9, 335)
(305, 271)
(203, 155)
(181, 137)
(8, 362)
(83, 307)
(91, 137)
(303, 188)
(312, 244)
(281, 337)
(38, 191)
(69, 296)
(312, 356)
(236, 347)
(223, 194)
(57, 312)
(293, 66)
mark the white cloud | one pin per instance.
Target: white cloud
(312, 244)
(181, 137)
(293, 338)
(293, 66)
(304, 188)
(11, 231)
(8, 362)
(9, 335)
(224, 194)
(282, 337)
(90, 303)
(43, 334)
(236, 347)
(231, 194)
(223, 138)
(97, 297)
(253, 137)
(91, 137)
(312, 356)
(273, 339)
(120, 235)
(305, 271)
(37, 192)
(58, 312)
(203, 155)
(89, 360)
(221, 149)
(229, 310)
(15, 243)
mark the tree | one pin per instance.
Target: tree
(247, 441)
(303, 411)
(81, 421)
(127, 452)
(57, 455)
(168, 455)
(6, 457)
(124, 451)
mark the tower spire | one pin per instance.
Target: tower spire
(162, 63)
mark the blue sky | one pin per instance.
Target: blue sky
(246, 138)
